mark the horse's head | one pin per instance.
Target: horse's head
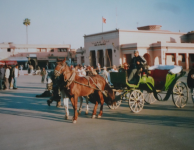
(61, 66)
(110, 99)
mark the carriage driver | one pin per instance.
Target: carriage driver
(136, 65)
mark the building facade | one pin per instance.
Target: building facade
(36, 55)
(157, 46)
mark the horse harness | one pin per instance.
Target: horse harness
(72, 77)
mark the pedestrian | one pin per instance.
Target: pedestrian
(2, 75)
(11, 77)
(105, 74)
(7, 74)
(15, 76)
(43, 74)
(98, 68)
(21, 69)
(32, 68)
(47, 66)
(190, 82)
(81, 72)
(114, 69)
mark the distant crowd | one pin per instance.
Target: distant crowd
(8, 77)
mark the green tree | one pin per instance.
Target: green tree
(26, 23)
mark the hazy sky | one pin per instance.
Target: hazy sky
(66, 21)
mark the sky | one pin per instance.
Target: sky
(67, 21)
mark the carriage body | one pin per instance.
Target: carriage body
(148, 87)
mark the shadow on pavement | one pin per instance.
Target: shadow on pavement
(27, 105)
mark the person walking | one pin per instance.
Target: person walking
(15, 76)
(190, 82)
(11, 77)
(43, 74)
(7, 74)
(2, 75)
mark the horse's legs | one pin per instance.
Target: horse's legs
(87, 108)
(81, 102)
(94, 111)
(65, 102)
(74, 104)
(66, 105)
(101, 102)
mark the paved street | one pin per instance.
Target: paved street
(27, 123)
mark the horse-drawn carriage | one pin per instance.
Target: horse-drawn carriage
(147, 87)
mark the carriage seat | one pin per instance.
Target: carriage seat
(159, 77)
(159, 73)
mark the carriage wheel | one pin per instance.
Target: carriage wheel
(149, 97)
(136, 101)
(180, 94)
(116, 104)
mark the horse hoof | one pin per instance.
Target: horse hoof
(94, 116)
(66, 117)
(99, 116)
(86, 113)
(79, 113)
(74, 121)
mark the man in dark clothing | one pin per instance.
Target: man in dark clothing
(11, 77)
(55, 89)
(2, 75)
(190, 82)
(136, 64)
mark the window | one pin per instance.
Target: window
(192, 57)
(182, 57)
(62, 49)
(173, 58)
(9, 50)
(43, 50)
(52, 50)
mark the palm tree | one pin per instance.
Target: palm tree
(26, 23)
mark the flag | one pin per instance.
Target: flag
(103, 20)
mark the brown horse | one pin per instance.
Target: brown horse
(93, 87)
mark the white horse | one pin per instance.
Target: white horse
(65, 99)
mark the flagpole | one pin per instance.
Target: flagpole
(102, 23)
(116, 17)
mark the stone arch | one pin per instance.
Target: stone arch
(147, 57)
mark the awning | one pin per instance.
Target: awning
(19, 59)
(2, 63)
(10, 62)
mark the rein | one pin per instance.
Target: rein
(72, 77)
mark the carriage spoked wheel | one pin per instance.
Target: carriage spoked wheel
(136, 101)
(149, 97)
(180, 94)
(117, 103)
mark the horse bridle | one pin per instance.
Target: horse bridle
(57, 73)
